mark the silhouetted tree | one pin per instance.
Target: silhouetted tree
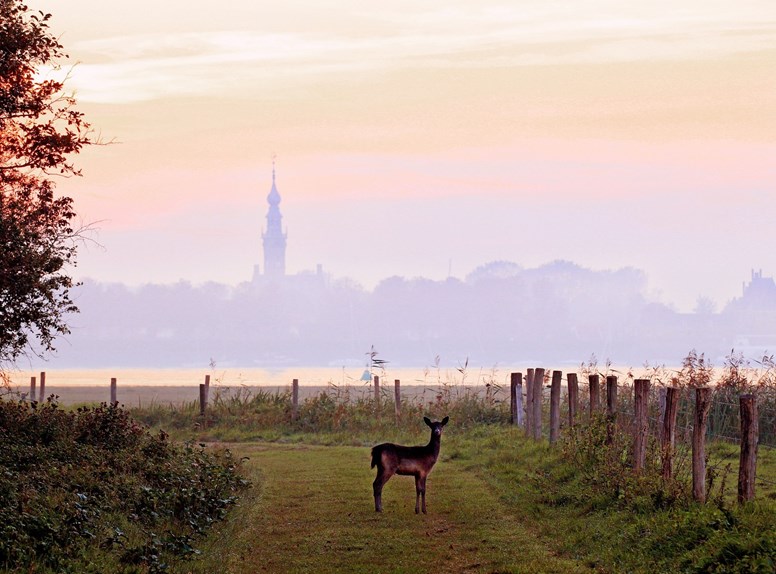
(39, 130)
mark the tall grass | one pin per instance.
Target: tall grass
(737, 376)
(337, 411)
(343, 410)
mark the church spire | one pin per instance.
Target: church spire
(274, 240)
(274, 197)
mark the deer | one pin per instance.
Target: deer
(414, 461)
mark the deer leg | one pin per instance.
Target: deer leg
(377, 486)
(422, 493)
(418, 489)
(380, 480)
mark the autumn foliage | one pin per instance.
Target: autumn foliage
(40, 130)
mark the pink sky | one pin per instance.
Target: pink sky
(423, 138)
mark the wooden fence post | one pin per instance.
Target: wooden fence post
(32, 389)
(573, 389)
(113, 391)
(641, 423)
(611, 395)
(668, 433)
(202, 399)
(517, 381)
(661, 409)
(377, 392)
(512, 398)
(529, 378)
(42, 386)
(516, 396)
(207, 389)
(397, 398)
(702, 404)
(748, 460)
(611, 407)
(557, 377)
(595, 393)
(294, 399)
(538, 388)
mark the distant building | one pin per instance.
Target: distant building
(273, 239)
(761, 291)
(750, 319)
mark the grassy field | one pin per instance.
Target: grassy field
(312, 511)
(498, 502)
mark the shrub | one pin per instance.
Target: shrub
(93, 486)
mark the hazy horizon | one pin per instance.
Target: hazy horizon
(464, 276)
(423, 140)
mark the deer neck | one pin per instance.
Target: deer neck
(434, 444)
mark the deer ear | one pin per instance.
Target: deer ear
(444, 420)
(427, 421)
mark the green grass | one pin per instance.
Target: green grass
(723, 459)
(632, 527)
(497, 503)
(578, 504)
(313, 511)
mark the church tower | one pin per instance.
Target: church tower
(274, 240)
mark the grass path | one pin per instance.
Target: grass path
(312, 511)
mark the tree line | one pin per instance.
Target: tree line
(499, 314)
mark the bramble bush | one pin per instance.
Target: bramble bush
(92, 490)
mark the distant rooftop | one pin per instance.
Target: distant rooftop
(759, 289)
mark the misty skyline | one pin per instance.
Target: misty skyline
(501, 314)
(423, 140)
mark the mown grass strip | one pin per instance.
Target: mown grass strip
(312, 511)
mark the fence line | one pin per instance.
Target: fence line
(634, 403)
(641, 405)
